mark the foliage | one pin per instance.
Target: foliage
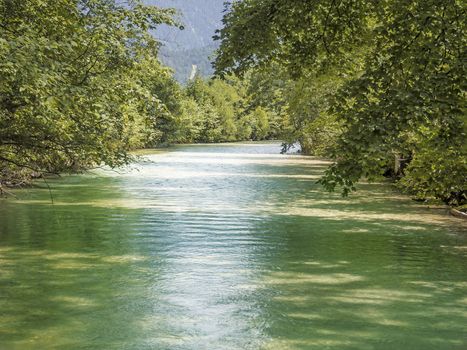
(72, 92)
(224, 112)
(400, 91)
(308, 118)
(290, 33)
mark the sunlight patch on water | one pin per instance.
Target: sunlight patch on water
(299, 278)
(120, 259)
(287, 344)
(234, 159)
(61, 256)
(347, 214)
(306, 315)
(356, 230)
(172, 174)
(292, 209)
(379, 296)
(323, 265)
(74, 301)
(378, 316)
(70, 265)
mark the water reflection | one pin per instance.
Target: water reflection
(227, 247)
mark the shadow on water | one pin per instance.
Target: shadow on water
(327, 289)
(227, 247)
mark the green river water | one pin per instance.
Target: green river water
(227, 247)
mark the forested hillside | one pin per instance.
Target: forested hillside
(182, 61)
(194, 44)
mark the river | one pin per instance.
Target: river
(228, 246)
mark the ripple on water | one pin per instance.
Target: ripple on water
(227, 247)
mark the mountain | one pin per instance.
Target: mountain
(182, 61)
(194, 45)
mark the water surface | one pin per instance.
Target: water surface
(227, 247)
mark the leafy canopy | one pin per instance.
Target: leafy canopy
(402, 90)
